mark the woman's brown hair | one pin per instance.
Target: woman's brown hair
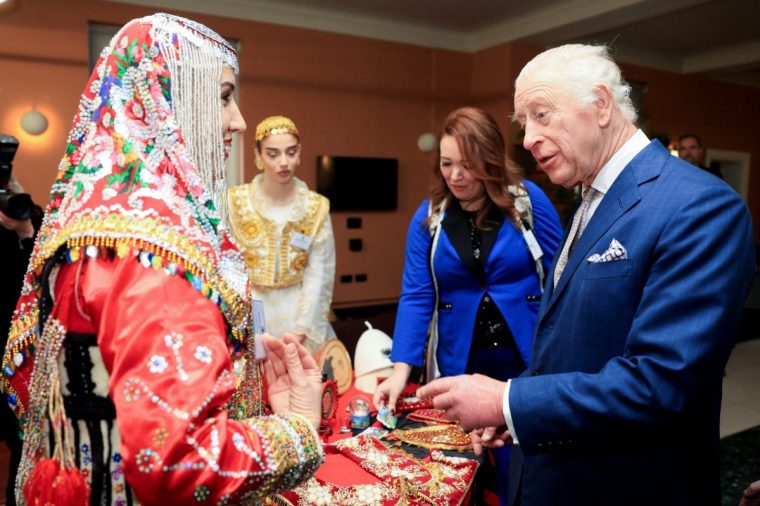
(481, 144)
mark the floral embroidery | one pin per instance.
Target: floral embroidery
(319, 496)
(369, 494)
(174, 340)
(146, 460)
(203, 354)
(157, 364)
(201, 493)
(159, 436)
(85, 449)
(132, 390)
(441, 480)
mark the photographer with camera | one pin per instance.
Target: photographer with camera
(20, 219)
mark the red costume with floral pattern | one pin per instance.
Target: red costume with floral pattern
(134, 315)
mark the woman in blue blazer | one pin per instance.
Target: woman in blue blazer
(488, 281)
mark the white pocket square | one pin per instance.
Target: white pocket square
(615, 251)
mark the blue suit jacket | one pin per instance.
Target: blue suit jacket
(510, 278)
(621, 403)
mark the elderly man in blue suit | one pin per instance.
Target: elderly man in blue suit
(621, 402)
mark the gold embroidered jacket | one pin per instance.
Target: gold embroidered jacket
(271, 262)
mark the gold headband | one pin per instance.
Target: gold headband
(274, 125)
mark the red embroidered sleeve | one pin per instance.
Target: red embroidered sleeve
(164, 347)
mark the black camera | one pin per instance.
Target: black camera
(14, 205)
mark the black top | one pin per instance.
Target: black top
(473, 246)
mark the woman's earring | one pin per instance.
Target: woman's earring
(259, 164)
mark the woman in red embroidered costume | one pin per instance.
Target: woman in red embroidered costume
(117, 363)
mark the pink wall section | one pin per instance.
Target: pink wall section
(348, 95)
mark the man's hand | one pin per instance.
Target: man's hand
(751, 496)
(473, 401)
(23, 228)
(490, 437)
(294, 379)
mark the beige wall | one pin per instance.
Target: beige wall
(348, 95)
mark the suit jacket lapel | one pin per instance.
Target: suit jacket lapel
(621, 197)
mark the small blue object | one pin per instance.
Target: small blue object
(359, 409)
(359, 421)
(385, 417)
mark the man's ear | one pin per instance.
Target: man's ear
(604, 105)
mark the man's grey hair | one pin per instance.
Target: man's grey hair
(579, 69)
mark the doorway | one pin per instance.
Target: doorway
(735, 168)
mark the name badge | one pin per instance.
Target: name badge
(530, 240)
(259, 328)
(300, 241)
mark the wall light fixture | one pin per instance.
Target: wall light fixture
(34, 122)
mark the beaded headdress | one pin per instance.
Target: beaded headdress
(195, 97)
(143, 167)
(274, 125)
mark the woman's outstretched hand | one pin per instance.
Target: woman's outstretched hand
(293, 377)
(387, 392)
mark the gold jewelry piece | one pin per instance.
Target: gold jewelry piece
(442, 437)
(274, 125)
(259, 164)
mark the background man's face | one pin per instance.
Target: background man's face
(691, 151)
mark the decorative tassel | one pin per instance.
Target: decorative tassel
(57, 481)
(51, 483)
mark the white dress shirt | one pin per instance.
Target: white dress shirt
(602, 184)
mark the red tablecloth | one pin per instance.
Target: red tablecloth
(338, 469)
(341, 471)
(399, 477)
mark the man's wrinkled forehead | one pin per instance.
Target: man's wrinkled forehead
(532, 90)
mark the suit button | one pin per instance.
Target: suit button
(535, 372)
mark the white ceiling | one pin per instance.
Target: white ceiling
(716, 38)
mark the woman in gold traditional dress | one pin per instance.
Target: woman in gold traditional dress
(285, 234)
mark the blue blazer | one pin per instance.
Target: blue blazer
(510, 279)
(621, 403)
